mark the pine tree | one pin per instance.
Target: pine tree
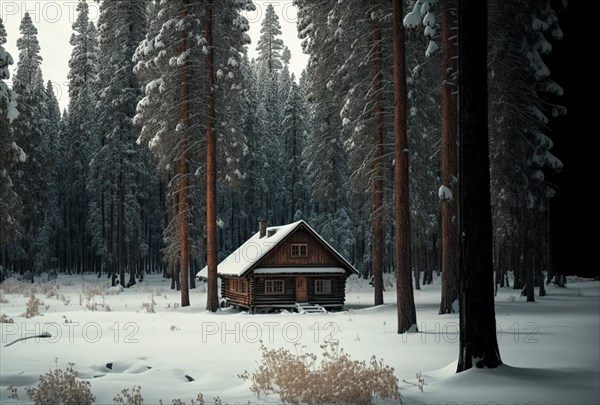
(164, 62)
(293, 133)
(407, 317)
(522, 87)
(81, 138)
(212, 303)
(378, 190)
(326, 163)
(478, 343)
(360, 81)
(29, 135)
(117, 164)
(449, 159)
(269, 47)
(424, 122)
(46, 256)
(10, 153)
(230, 33)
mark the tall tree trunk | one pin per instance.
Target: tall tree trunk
(416, 260)
(478, 342)
(133, 254)
(182, 214)
(182, 169)
(121, 229)
(407, 316)
(528, 256)
(450, 248)
(377, 213)
(212, 303)
(111, 244)
(530, 251)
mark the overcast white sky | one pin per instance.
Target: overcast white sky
(53, 20)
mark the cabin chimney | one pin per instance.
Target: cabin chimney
(262, 227)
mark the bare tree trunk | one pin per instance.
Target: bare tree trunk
(407, 316)
(212, 303)
(539, 277)
(450, 248)
(527, 255)
(121, 229)
(111, 245)
(478, 343)
(182, 171)
(377, 213)
(416, 261)
(133, 254)
(102, 260)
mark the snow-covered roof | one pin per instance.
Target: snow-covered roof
(255, 248)
(298, 270)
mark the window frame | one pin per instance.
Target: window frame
(271, 287)
(323, 286)
(238, 286)
(301, 250)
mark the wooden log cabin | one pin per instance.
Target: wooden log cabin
(284, 267)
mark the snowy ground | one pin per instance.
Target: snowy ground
(550, 348)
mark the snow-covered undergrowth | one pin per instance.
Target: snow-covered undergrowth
(141, 337)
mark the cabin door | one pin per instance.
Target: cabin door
(301, 289)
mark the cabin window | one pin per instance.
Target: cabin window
(299, 250)
(322, 286)
(274, 287)
(239, 286)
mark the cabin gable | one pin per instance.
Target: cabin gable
(300, 249)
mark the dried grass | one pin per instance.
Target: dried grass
(300, 378)
(61, 387)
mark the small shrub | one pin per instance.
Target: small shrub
(3, 299)
(17, 287)
(130, 397)
(6, 319)
(149, 306)
(175, 305)
(337, 379)
(91, 291)
(33, 306)
(66, 300)
(420, 381)
(92, 305)
(27, 290)
(198, 401)
(12, 392)
(50, 289)
(61, 387)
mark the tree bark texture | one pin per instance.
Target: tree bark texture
(478, 343)
(212, 303)
(407, 317)
(450, 248)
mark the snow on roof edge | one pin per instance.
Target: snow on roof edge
(255, 248)
(299, 270)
